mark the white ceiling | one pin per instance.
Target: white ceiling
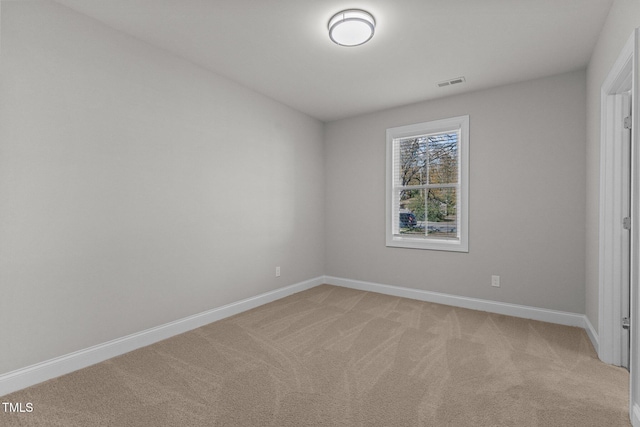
(281, 47)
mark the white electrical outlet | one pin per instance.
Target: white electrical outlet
(495, 281)
(277, 271)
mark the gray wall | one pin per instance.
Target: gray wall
(623, 18)
(138, 188)
(527, 197)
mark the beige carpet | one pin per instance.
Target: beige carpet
(331, 356)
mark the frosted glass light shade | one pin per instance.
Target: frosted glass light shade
(351, 27)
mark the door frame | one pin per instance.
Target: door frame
(622, 77)
(612, 237)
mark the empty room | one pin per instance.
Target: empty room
(319, 213)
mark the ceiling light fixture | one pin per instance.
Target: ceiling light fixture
(351, 27)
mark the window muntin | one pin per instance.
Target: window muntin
(427, 185)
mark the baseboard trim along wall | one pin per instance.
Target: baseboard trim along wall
(526, 312)
(34, 374)
(593, 335)
(31, 375)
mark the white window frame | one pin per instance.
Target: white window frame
(460, 123)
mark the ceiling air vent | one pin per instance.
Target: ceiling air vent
(451, 82)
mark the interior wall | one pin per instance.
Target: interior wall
(526, 203)
(138, 188)
(623, 18)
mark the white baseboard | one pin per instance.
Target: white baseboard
(593, 335)
(34, 374)
(542, 314)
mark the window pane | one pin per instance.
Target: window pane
(411, 212)
(441, 212)
(411, 166)
(443, 158)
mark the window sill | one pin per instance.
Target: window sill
(427, 244)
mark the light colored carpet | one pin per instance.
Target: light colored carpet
(332, 356)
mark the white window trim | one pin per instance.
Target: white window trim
(436, 126)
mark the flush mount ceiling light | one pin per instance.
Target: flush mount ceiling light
(351, 27)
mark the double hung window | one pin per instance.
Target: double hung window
(427, 185)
